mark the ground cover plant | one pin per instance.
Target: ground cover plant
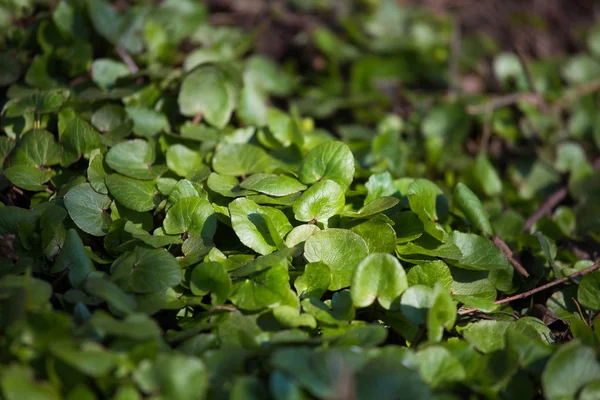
(187, 213)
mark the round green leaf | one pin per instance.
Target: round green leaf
(146, 270)
(182, 160)
(329, 160)
(269, 288)
(240, 159)
(416, 302)
(208, 91)
(75, 259)
(134, 194)
(438, 366)
(88, 209)
(379, 276)
(79, 137)
(192, 215)
(350, 249)
(39, 147)
(379, 236)
(570, 368)
(320, 202)
(134, 158)
(314, 281)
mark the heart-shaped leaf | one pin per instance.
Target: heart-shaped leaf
(378, 276)
(320, 202)
(88, 209)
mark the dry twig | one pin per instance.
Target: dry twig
(538, 289)
(501, 244)
(547, 206)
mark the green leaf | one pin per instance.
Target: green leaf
(429, 273)
(314, 281)
(570, 368)
(290, 317)
(486, 176)
(438, 366)
(350, 249)
(91, 359)
(211, 277)
(588, 290)
(478, 253)
(79, 137)
(416, 302)
(73, 258)
(147, 122)
(146, 270)
(427, 200)
(112, 294)
(106, 72)
(442, 313)
(135, 194)
(45, 102)
(192, 215)
(329, 160)
(269, 288)
(320, 202)
(28, 178)
(260, 228)
(374, 207)
(19, 382)
(240, 160)
(37, 146)
(180, 376)
(378, 276)
(379, 236)
(88, 209)
(272, 185)
(209, 91)
(182, 160)
(470, 205)
(97, 174)
(134, 158)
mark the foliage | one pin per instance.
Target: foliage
(183, 217)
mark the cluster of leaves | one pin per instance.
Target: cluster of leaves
(168, 232)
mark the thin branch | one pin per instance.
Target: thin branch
(503, 101)
(455, 48)
(501, 244)
(579, 309)
(538, 289)
(577, 92)
(547, 206)
(127, 59)
(530, 83)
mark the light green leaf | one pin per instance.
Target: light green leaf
(378, 276)
(416, 302)
(330, 160)
(106, 72)
(588, 292)
(88, 209)
(240, 160)
(134, 158)
(487, 335)
(146, 270)
(478, 253)
(442, 313)
(379, 236)
(192, 215)
(147, 122)
(45, 102)
(182, 160)
(486, 176)
(272, 185)
(570, 368)
(208, 90)
(471, 207)
(134, 194)
(28, 178)
(429, 273)
(260, 228)
(320, 202)
(97, 174)
(19, 382)
(314, 281)
(180, 376)
(290, 317)
(349, 247)
(438, 366)
(375, 207)
(269, 288)
(426, 200)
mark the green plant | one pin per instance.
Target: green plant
(167, 232)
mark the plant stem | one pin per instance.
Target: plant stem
(501, 244)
